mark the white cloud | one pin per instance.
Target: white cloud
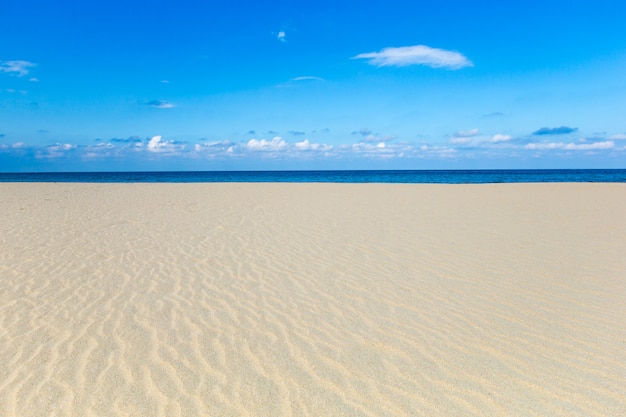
(34, 80)
(275, 144)
(157, 144)
(571, 146)
(19, 68)
(466, 133)
(416, 55)
(282, 36)
(589, 146)
(619, 136)
(214, 147)
(362, 147)
(305, 145)
(498, 137)
(543, 146)
(100, 150)
(380, 150)
(58, 150)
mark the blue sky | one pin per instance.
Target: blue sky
(193, 85)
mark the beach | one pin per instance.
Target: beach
(249, 299)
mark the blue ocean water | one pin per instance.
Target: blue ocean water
(404, 176)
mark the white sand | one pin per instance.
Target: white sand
(312, 300)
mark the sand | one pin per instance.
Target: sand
(312, 300)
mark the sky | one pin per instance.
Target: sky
(241, 85)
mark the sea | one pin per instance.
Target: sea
(360, 176)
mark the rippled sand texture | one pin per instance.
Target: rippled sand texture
(312, 300)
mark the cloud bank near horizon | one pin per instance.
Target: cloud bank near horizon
(469, 146)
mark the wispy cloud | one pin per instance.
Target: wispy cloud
(307, 78)
(619, 136)
(159, 104)
(363, 132)
(282, 36)
(130, 139)
(438, 151)
(460, 140)
(13, 146)
(18, 68)
(14, 91)
(571, 146)
(562, 130)
(100, 150)
(494, 114)
(371, 137)
(466, 133)
(417, 55)
(296, 133)
(301, 81)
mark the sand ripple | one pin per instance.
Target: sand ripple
(312, 300)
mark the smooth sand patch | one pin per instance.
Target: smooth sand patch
(312, 300)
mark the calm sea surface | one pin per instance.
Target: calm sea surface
(415, 177)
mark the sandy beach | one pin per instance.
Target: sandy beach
(312, 300)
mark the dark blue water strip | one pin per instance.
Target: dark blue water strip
(404, 176)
